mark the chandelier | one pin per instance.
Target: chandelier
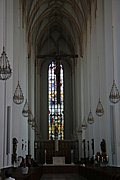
(90, 119)
(30, 118)
(84, 124)
(99, 109)
(114, 96)
(34, 125)
(25, 111)
(18, 97)
(37, 131)
(5, 69)
(80, 130)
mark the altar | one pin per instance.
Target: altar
(61, 156)
(58, 160)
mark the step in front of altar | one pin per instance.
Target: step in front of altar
(60, 169)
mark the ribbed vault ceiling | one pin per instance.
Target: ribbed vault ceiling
(56, 21)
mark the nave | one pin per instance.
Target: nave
(61, 77)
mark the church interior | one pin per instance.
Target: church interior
(59, 85)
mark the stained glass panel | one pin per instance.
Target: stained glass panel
(56, 100)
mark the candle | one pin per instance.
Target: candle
(102, 159)
(93, 157)
(45, 150)
(107, 158)
(98, 158)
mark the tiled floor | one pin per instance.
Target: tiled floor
(62, 177)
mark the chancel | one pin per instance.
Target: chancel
(57, 58)
(59, 88)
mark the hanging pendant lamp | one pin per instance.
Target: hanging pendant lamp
(25, 111)
(90, 119)
(84, 124)
(34, 125)
(114, 96)
(18, 97)
(76, 132)
(5, 69)
(30, 118)
(99, 109)
(40, 136)
(80, 130)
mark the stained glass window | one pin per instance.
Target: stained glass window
(56, 100)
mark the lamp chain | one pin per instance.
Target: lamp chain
(26, 72)
(4, 25)
(98, 52)
(84, 88)
(113, 42)
(18, 37)
(89, 71)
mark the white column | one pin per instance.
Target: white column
(116, 15)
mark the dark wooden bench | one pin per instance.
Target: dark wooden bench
(34, 173)
(99, 173)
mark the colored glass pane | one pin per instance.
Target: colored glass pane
(56, 101)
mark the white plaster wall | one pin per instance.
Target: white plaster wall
(31, 91)
(98, 129)
(6, 86)
(109, 65)
(19, 125)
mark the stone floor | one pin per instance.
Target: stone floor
(62, 177)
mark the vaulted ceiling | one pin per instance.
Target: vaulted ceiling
(52, 21)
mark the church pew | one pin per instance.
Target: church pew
(99, 173)
(34, 173)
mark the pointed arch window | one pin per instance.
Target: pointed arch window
(56, 100)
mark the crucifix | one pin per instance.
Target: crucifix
(57, 57)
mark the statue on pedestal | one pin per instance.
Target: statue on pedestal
(92, 145)
(15, 141)
(84, 148)
(88, 149)
(56, 138)
(103, 146)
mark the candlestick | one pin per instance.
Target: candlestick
(45, 156)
